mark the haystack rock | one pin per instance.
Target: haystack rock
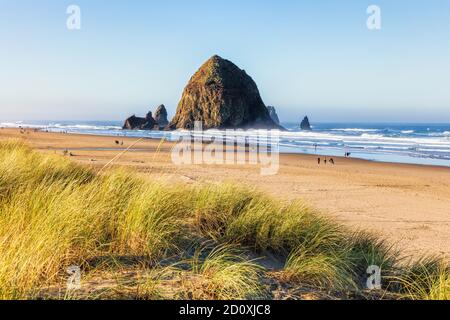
(273, 114)
(221, 95)
(137, 123)
(305, 125)
(161, 116)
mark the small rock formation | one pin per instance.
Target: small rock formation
(305, 125)
(161, 116)
(221, 95)
(137, 123)
(273, 114)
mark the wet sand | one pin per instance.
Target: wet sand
(407, 204)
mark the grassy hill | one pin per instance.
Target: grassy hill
(141, 239)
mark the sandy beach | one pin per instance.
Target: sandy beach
(407, 204)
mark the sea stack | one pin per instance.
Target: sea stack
(222, 96)
(305, 125)
(273, 114)
(161, 116)
(137, 123)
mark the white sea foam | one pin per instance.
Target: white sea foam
(355, 130)
(20, 124)
(82, 127)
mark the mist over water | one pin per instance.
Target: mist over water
(403, 143)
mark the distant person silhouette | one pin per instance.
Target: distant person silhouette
(318, 161)
(332, 161)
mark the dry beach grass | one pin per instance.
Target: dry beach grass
(156, 239)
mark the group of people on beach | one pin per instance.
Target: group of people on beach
(325, 161)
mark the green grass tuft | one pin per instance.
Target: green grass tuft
(221, 273)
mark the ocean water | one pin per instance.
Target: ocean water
(427, 144)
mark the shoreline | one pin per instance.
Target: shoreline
(364, 156)
(408, 204)
(168, 142)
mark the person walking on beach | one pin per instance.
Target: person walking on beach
(332, 161)
(318, 161)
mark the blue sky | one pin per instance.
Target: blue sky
(313, 57)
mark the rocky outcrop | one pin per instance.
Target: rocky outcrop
(305, 125)
(221, 95)
(273, 114)
(161, 116)
(137, 123)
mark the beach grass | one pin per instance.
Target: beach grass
(221, 272)
(425, 279)
(202, 241)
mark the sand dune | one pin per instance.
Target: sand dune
(408, 204)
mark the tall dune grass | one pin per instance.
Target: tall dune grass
(55, 213)
(425, 279)
(221, 273)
